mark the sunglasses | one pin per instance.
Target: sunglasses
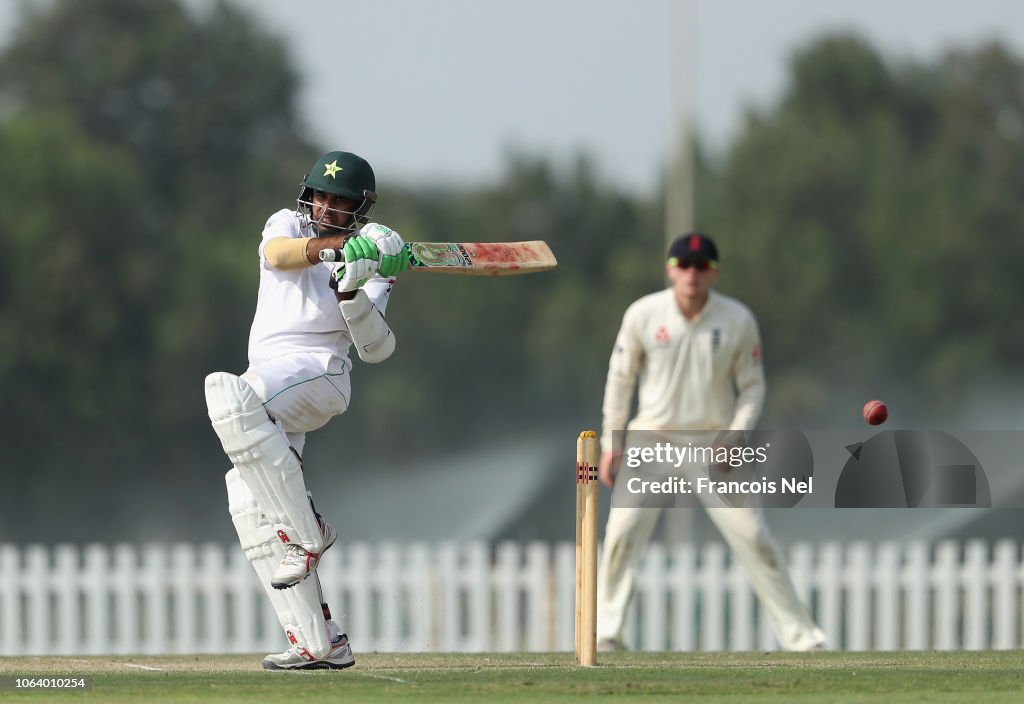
(698, 264)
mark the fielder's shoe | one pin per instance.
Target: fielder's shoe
(298, 562)
(808, 640)
(298, 658)
(610, 645)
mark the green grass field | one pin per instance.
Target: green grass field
(540, 677)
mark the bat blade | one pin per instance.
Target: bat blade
(481, 258)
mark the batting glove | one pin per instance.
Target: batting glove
(361, 263)
(394, 258)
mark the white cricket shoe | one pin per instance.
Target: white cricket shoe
(299, 563)
(611, 645)
(298, 658)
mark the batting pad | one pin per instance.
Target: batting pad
(298, 608)
(259, 450)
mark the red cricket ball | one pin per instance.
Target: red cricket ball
(875, 412)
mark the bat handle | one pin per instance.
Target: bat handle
(338, 255)
(332, 255)
(413, 261)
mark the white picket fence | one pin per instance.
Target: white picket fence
(472, 597)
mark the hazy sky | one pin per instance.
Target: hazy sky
(441, 89)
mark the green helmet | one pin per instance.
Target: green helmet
(342, 174)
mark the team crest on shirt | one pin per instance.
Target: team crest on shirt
(661, 336)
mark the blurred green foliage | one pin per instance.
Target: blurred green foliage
(874, 221)
(871, 219)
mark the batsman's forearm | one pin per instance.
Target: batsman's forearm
(331, 244)
(286, 253)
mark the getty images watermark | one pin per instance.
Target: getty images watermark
(911, 468)
(722, 457)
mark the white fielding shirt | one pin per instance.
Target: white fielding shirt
(701, 374)
(297, 311)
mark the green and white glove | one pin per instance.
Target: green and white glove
(393, 256)
(361, 263)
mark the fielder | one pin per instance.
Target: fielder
(308, 315)
(697, 355)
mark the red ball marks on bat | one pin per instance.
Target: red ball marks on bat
(875, 412)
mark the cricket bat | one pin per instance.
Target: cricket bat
(472, 258)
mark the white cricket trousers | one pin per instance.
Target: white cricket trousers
(744, 529)
(301, 392)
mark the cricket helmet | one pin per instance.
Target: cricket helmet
(342, 174)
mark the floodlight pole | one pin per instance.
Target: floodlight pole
(680, 210)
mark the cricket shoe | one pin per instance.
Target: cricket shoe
(298, 658)
(611, 645)
(299, 563)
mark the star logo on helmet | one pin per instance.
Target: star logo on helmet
(332, 168)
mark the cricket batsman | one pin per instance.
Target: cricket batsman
(308, 315)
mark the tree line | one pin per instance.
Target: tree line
(870, 218)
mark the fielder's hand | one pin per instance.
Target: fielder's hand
(361, 263)
(608, 467)
(393, 257)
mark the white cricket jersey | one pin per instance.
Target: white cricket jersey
(297, 311)
(701, 374)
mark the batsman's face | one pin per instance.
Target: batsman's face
(692, 279)
(332, 211)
